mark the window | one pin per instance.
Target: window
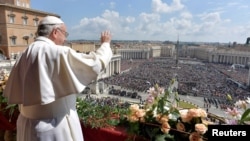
(13, 40)
(11, 17)
(26, 39)
(18, 3)
(36, 21)
(25, 19)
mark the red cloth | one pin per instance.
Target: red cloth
(107, 134)
(5, 124)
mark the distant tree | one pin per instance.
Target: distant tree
(247, 42)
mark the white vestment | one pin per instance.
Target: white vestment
(44, 82)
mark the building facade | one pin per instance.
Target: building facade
(18, 24)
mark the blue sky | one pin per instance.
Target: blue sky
(193, 20)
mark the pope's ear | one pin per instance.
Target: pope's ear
(53, 34)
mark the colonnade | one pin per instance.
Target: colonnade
(134, 53)
(231, 59)
(114, 65)
(113, 68)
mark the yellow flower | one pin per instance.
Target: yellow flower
(185, 117)
(163, 119)
(206, 122)
(136, 113)
(180, 126)
(165, 127)
(195, 136)
(134, 107)
(140, 113)
(200, 128)
(133, 118)
(158, 117)
(229, 97)
(203, 113)
(197, 112)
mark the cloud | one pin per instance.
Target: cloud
(186, 15)
(112, 5)
(164, 22)
(109, 20)
(159, 7)
(212, 18)
(147, 18)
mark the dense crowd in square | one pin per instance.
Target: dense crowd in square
(212, 81)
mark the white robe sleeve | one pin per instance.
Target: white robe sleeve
(46, 72)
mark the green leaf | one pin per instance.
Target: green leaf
(113, 122)
(245, 116)
(164, 137)
(134, 128)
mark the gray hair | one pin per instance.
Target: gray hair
(46, 29)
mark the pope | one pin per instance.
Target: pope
(45, 80)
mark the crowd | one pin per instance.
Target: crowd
(207, 80)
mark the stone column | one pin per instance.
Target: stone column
(248, 78)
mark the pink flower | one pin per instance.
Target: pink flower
(161, 90)
(233, 112)
(155, 91)
(231, 121)
(150, 99)
(151, 91)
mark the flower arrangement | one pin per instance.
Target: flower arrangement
(9, 111)
(101, 112)
(161, 119)
(239, 114)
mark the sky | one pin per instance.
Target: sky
(224, 21)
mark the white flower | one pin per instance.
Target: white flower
(161, 90)
(241, 104)
(173, 117)
(166, 107)
(248, 100)
(155, 112)
(151, 90)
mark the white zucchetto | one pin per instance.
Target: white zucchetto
(51, 20)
